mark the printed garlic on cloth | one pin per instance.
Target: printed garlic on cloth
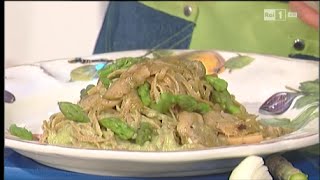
(251, 168)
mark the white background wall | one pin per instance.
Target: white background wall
(37, 31)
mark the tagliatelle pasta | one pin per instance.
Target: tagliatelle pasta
(163, 104)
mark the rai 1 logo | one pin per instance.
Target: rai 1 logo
(275, 14)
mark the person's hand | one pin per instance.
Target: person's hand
(306, 13)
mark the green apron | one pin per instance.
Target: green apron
(240, 26)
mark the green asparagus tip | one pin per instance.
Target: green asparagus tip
(233, 109)
(298, 176)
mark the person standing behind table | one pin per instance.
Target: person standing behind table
(222, 25)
